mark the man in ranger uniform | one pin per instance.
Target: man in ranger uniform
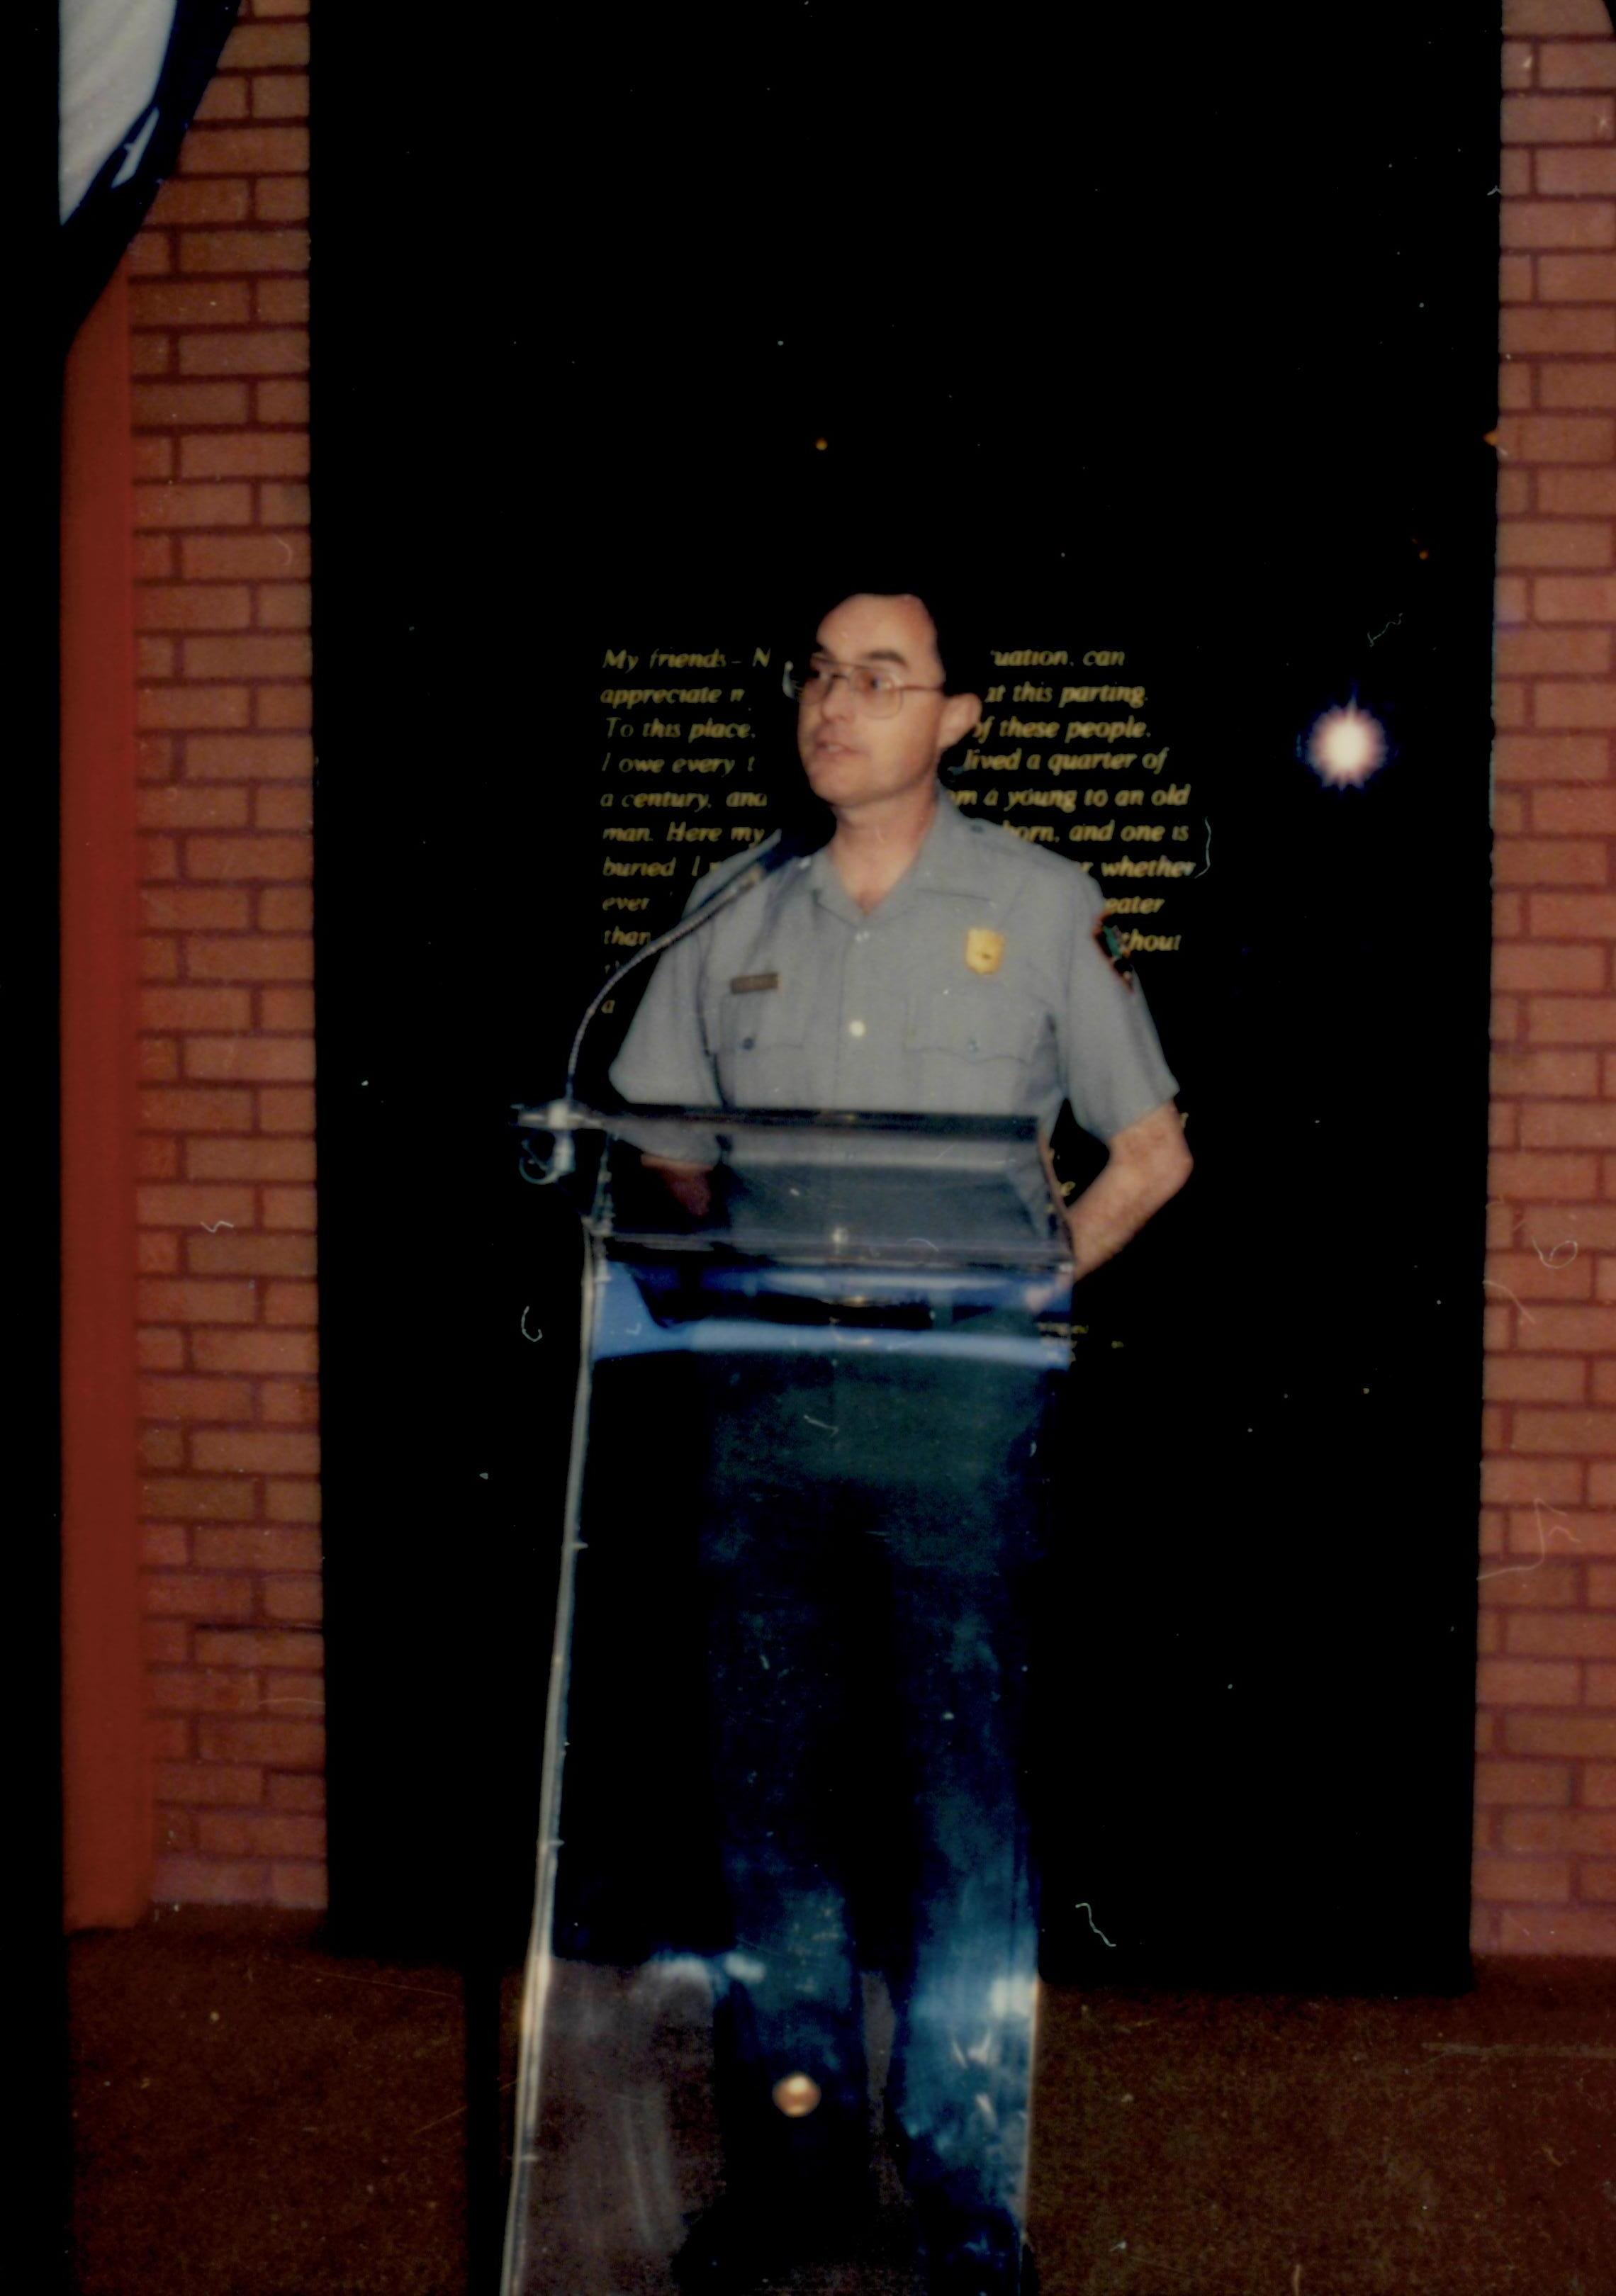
(921, 961)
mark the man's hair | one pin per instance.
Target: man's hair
(967, 667)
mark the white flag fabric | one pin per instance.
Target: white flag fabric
(112, 59)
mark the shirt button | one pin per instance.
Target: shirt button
(861, 936)
(855, 1027)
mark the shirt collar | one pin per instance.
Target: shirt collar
(949, 862)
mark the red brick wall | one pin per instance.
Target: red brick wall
(1546, 1791)
(226, 1339)
(229, 1447)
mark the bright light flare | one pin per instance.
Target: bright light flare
(1346, 746)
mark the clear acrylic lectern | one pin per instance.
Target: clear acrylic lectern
(783, 1944)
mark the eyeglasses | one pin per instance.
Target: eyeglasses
(876, 691)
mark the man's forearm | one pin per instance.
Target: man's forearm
(1149, 1163)
(689, 1185)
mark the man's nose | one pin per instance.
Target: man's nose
(839, 703)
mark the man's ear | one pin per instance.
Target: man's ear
(960, 712)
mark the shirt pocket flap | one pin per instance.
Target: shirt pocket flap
(758, 1020)
(973, 1024)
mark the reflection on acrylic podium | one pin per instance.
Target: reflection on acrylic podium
(781, 1980)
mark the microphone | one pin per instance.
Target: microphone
(792, 843)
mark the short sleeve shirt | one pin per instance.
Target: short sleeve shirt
(978, 987)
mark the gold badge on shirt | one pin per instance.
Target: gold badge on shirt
(984, 949)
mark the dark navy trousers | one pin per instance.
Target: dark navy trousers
(870, 1522)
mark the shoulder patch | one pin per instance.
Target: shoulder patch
(1108, 940)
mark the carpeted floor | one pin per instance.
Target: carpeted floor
(255, 2115)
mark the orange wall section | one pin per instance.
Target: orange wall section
(105, 1758)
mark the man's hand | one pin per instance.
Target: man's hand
(689, 1185)
(1149, 1162)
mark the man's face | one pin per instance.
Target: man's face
(853, 759)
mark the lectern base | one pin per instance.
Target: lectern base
(625, 2179)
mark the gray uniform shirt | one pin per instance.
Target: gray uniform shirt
(976, 987)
